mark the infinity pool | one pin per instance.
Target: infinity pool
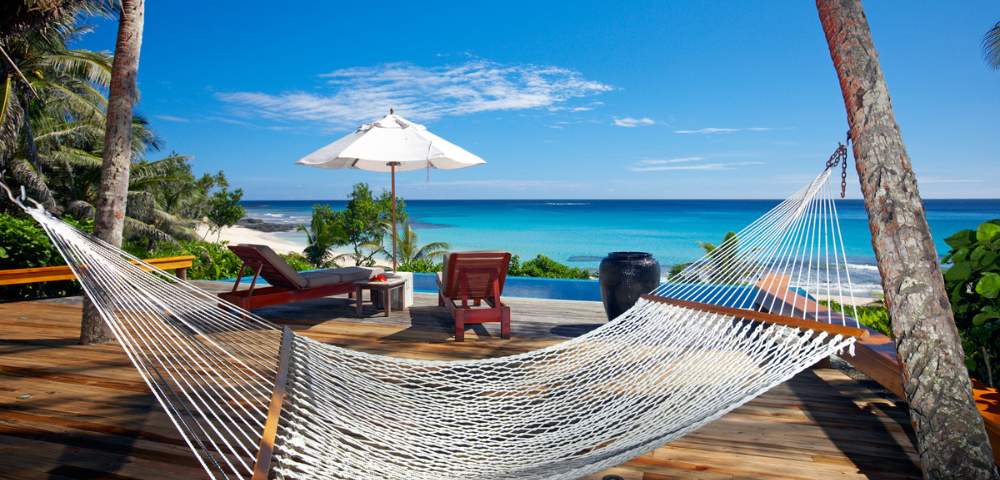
(530, 287)
(739, 296)
(554, 288)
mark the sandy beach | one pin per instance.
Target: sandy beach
(237, 234)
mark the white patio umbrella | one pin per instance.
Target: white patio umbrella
(389, 145)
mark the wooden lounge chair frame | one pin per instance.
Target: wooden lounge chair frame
(281, 290)
(470, 279)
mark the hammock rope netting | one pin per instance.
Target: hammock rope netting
(657, 372)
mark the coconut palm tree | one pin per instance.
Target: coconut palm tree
(949, 429)
(117, 155)
(45, 85)
(991, 46)
(52, 125)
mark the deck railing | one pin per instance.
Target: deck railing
(21, 276)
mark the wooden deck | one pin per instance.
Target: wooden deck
(75, 412)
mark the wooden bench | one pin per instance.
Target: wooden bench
(22, 276)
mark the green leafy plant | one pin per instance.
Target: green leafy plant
(874, 316)
(325, 230)
(366, 222)
(542, 266)
(53, 101)
(420, 265)
(409, 251)
(224, 209)
(721, 259)
(212, 261)
(25, 245)
(973, 283)
(297, 261)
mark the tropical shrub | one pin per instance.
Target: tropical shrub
(873, 316)
(23, 244)
(53, 102)
(409, 250)
(212, 261)
(224, 209)
(973, 283)
(721, 262)
(420, 265)
(362, 226)
(542, 266)
(324, 231)
(366, 222)
(297, 261)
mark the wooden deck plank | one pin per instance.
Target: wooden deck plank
(75, 412)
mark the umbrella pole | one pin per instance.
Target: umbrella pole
(392, 166)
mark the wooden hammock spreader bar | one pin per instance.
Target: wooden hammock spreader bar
(263, 464)
(762, 316)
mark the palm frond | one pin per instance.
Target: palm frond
(178, 228)
(991, 46)
(80, 209)
(337, 259)
(433, 250)
(145, 139)
(59, 95)
(11, 118)
(24, 174)
(94, 66)
(69, 132)
(373, 247)
(141, 206)
(137, 230)
(5, 95)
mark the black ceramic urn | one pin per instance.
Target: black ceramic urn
(624, 277)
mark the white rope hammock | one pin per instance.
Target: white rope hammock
(726, 329)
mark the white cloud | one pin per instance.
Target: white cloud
(693, 166)
(629, 122)
(360, 94)
(670, 161)
(713, 130)
(171, 118)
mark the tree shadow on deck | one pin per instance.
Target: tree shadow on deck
(861, 433)
(76, 421)
(574, 330)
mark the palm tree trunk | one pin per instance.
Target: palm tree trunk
(950, 435)
(110, 218)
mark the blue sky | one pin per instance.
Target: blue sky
(583, 100)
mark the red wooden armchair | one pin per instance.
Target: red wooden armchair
(287, 285)
(467, 281)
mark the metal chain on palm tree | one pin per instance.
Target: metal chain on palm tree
(839, 157)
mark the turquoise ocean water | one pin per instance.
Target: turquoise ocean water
(581, 232)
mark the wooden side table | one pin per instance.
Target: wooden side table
(383, 288)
